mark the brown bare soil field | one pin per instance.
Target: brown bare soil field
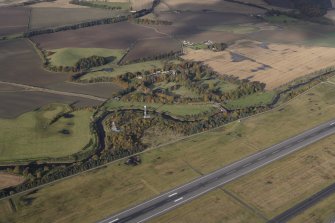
(212, 5)
(8, 180)
(152, 47)
(273, 64)
(196, 35)
(56, 4)
(104, 90)
(10, 88)
(49, 17)
(6, 3)
(194, 19)
(21, 64)
(14, 104)
(114, 36)
(13, 20)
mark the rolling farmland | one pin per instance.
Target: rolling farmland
(13, 20)
(273, 64)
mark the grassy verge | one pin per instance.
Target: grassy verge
(281, 19)
(69, 56)
(115, 187)
(33, 136)
(215, 206)
(256, 99)
(280, 185)
(173, 109)
(236, 29)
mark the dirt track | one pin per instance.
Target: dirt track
(33, 88)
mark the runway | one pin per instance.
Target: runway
(169, 200)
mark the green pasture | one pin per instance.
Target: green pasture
(32, 136)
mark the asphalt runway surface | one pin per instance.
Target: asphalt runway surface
(305, 204)
(169, 200)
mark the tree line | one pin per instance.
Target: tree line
(94, 5)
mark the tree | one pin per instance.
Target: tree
(312, 8)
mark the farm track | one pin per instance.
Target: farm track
(46, 90)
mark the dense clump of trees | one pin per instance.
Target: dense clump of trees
(312, 8)
(75, 26)
(89, 62)
(169, 55)
(193, 76)
(218, 47)
(147, 21)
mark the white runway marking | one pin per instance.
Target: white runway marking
(114, 220)
(179, 199)
(174, 194)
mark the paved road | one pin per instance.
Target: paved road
(202, 185)
(287, 215)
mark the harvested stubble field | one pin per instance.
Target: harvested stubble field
(31, 136)
(13, 20)
(113, 36)
(171, 165)
(272, 64)
(8, 180)
(151, 48)
(284, 183)
(51, 17)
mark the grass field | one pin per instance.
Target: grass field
(216, 206)
(123, 5)
(56, 4)
(8, 180)
(327, 40)
(240, 29)
(118, 70)
(324, 212)
(256, 99)
(69, 56)
(110, 190)
(280, 19)
(173, 109)
(185, 93)
(284, 183)
(31, 136)
(272, 64)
